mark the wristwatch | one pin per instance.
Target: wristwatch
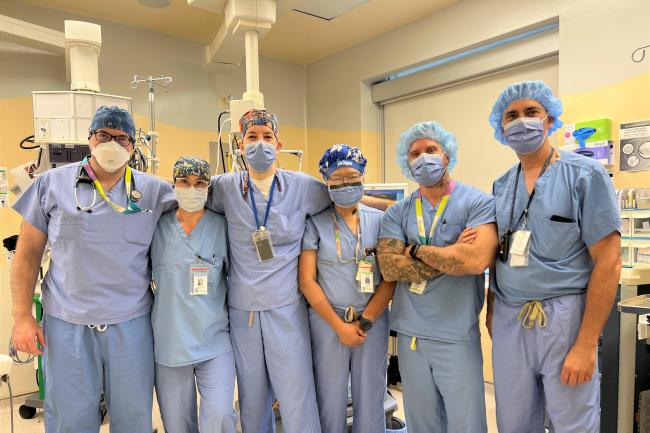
(413, 251)
(365, 323)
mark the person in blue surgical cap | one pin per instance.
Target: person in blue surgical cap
(98, 217)
(348, 317)
(556, 271)
(189, 256)
(441, 284)
(266, 209)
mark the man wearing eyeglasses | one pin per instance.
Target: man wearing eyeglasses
(96, 336)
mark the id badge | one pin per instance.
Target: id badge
(520, 248)
(418, 288)
(198, 280)
(263, 245)
(366, 277)
(520, 241)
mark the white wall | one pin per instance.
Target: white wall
(596, 40)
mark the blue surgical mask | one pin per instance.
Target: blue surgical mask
(525, 135)
(260, 156)
(347, 195)
(427, 169)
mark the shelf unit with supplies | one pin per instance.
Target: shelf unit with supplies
(635, 238)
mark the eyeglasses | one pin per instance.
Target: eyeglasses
(182, 182)
(104, 137)
(340, 180)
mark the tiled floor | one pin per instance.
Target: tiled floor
(35, 425)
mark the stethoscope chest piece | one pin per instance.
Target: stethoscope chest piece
(135, 195)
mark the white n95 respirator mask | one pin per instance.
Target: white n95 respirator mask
(191, 199)
(110, 156)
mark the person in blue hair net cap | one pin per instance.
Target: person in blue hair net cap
(439, 268)
(99, 216)
(348, 300)
(556, 272)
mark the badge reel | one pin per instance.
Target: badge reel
(366, 276)
(263, 244)
(199, 279)
(520, 247)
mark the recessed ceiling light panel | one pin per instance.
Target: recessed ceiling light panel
(328, 9)
(154, 3)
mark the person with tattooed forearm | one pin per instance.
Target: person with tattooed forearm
(437, 243)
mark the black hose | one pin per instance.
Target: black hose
(243, 160)
(219, 125)
(28, 139)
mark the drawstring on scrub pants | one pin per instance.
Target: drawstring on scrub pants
(100, 328)
(532, 313)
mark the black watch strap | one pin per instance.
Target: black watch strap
(413, 251)
(366, 324)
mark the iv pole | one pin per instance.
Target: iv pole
(152, 135)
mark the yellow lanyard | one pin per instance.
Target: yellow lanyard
(102, 194)
(131, 206)
(337, 237)
(420, 218)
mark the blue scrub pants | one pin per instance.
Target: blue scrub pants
(527, 370)
(176, 393)
(443, 386)
(273, 357)
(82, 363)
(365, 365)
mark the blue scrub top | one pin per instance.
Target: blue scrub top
(255, 285)
(189, 328)
(99, 268)
(575, 188)
(449, 308)
(338, 279)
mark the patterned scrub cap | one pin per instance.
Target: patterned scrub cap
(341, 155)
(113, 118)
(258, 117)
(191, 165)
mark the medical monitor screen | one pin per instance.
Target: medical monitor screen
(388, 191)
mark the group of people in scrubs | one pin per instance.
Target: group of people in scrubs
(286, 283)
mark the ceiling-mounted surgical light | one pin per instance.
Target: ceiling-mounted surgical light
(154, 3)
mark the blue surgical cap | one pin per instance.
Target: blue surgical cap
(113, 118)
(433, 131)
(537, 90)
(341, 155)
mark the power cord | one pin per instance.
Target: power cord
(5, 379)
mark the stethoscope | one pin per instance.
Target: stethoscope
(83, 177)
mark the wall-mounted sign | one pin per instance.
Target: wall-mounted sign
(635, 146)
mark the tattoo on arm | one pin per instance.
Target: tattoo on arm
(449, 264)
(395, 266)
